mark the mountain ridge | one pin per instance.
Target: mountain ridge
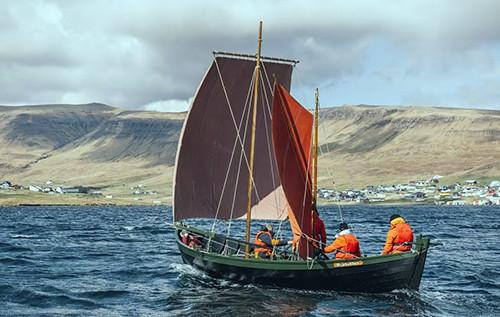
(99, 145)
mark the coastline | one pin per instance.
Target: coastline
(27, 199)
(24, 199)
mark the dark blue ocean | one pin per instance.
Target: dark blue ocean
(122, 261)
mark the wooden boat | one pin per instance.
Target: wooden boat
(374, 274)
(243, 156)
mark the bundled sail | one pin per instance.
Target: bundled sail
(212, 159)
(292, 131)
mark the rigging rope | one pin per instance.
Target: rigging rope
(238, 138)
(330, 174)
(265, 101)
(234, 120)
(277, 196)
(247, 103)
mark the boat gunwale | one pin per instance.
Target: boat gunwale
(313, 264)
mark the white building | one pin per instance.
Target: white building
(5, 185)
(456, 203)
(35, 189)
(495, 184)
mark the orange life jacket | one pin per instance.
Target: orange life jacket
(403, 234)
(261, 246)
(351, 248)
(346, 245)
(399, 237)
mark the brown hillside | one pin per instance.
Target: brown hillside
(99, 145)
(88, 145)
(366, 144)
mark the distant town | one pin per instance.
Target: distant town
(138, 192)
(470, 192)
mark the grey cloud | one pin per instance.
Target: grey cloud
(129, 53)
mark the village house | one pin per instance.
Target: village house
(422, 183)
(5, 185)
(418, 196)
(75, 190)
(471, 193)
(495, 185)
(35, 189)
(471, 182)
(456, 203)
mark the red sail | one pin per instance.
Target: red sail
(292, 130)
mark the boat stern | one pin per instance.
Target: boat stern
(421, 246)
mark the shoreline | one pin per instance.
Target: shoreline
(169, 204)
(73, 200)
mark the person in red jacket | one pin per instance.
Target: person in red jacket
(346, 245)
(319, 229)
(400, 236)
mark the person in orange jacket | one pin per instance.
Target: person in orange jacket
(346, 245)
(400, 236)
(264, 242)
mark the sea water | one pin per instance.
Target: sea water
(123, 261)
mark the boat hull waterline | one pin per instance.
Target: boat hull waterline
(374, 274)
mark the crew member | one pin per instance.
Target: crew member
(319, 229)
(400, 236)
(264, 242)
(190, 240)
(346, 245)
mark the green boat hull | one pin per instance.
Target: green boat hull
(375, 274)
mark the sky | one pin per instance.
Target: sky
(152, 55)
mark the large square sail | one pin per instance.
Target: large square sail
(212, 160)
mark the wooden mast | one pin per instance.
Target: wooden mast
(315, 149)
(252, 141)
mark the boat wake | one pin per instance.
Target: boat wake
(195, 277)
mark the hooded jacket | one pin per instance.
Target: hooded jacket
(399, 234)
(346, 244)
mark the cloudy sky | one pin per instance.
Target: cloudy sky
(153, 54)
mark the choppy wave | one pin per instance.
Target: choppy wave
(15, 261)
(39, 299)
